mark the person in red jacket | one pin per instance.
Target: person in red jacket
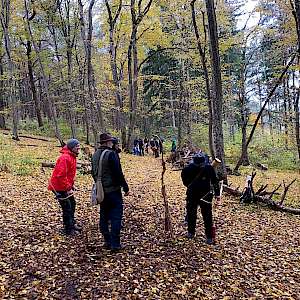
(61, 184)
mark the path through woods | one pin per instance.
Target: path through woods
(257, 254)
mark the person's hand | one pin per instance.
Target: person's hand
(218, 200)
(126, 194)
(70, 192)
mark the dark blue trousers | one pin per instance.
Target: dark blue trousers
(206, 211)
(68, 211)
(111, 213)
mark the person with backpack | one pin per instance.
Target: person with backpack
(198, 178)
(111, 208)
(61, 184)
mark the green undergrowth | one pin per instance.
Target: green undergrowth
(17, 160)
(267, 149)
(31, 127)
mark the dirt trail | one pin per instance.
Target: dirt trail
(257, 254)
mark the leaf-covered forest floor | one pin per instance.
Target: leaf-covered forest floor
(257, 253)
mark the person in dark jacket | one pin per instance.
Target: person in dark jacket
(111, 208)
(173, 147)
(141, 147)
(136, 147)
(198, 178)
(116, 146)
(61, 184)
(156, 148)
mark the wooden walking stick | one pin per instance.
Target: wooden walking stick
(168, 224)
(215, 163)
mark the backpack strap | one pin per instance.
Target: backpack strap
(197, 177)
(99, 175)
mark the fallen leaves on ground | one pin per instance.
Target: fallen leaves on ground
(257, 253)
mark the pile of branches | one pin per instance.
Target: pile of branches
(182, 157)
(264, 197)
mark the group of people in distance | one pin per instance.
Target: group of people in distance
(198, 177)
(142, 146)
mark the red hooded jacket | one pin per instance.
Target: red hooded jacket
(63, 175)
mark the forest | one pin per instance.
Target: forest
(189, 70)
(217, 75)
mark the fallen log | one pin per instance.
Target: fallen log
(29, 137)
(266, 201)
(80, 164)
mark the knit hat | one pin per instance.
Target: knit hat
(115, 141)
(105, 137)
(72, 143)
(199, 159)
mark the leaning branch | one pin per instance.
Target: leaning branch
(277, 83)
(286, 188)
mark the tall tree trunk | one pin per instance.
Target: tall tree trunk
(296, 13)
(70, 102)
(260, 105)
(112, 20)
(32, 85)
(5, 18)
(244, 123)
(50, 102)
(286, 128)
(83, 99)
(131, 86)
(297, 123)
(90, 72)
(216, 88)
(2, 103)
(172, 109)
(180, 116)
(87, 41)
(64, 15)
(202, 55)
(132, 64)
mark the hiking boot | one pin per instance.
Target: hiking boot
(190, 235)
(72, 233)
(117, 249)
(77, 227)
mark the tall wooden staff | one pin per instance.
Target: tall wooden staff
(168, 224)
(215, 163)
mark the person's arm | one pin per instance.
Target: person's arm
(215, 182)
(95, 163)
(117, 172)
(61, 168)
(185, 177)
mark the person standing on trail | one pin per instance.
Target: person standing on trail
(198, 178)
(61, 184)
(146, 143)
(173, 147)
(141, 147)
(136, 147)
(111, 208)
(116, 146)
